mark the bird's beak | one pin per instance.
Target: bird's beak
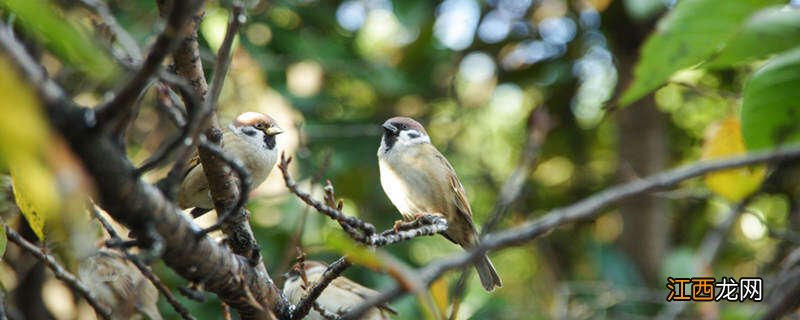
(390, 127)
(274, 130)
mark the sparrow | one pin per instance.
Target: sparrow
(339, 297)
(251, 139)
(418, 180)
(119, 285)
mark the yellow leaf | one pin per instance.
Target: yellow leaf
(722, 141)
(426, 306)
(23, 135)
(440, 297)
(34, 191)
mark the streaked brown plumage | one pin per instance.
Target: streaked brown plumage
(418, 179)
(119, 285)
(339, 297)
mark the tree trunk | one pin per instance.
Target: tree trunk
(642, 148)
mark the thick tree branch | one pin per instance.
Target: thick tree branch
(187, 57)
(59, 271)
(582, 210)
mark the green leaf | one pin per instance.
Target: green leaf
(63, 37)
(3, 241)
(686, 36)
(769, 31)
(771, 103)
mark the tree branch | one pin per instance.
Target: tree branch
(126, 42)
(59, 271)
(359, 230)
(308, 300)
(167, 41)
(182, 142)
(582, 210)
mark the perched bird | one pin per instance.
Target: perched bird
(339, 297)
(251, 139)
(119, 285)
(419, 180)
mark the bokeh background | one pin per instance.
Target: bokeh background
(472, 72)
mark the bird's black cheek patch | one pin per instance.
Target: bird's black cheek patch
(269, 141)
(413, 135)
(389, 141)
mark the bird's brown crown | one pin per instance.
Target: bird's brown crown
(402, 123)
(254, 119)
(259, 121)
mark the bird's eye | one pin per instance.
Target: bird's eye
(260, 126)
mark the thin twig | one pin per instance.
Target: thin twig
(168, 103)
(332, 213)
(166, 42)
(237, 19)
(333, 271)
(539, 125)
(359, 230)
(59, 271)
(582, 210)
(143, 268)
(122, 37)
(297, 236)
(183, 142)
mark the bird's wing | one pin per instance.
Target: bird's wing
(361, 291)
(459, 196)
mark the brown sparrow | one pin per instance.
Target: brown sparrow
(119, 285)
(419, 180)
(339, 297)
(251, 139)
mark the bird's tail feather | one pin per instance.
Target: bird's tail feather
(487, 273)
